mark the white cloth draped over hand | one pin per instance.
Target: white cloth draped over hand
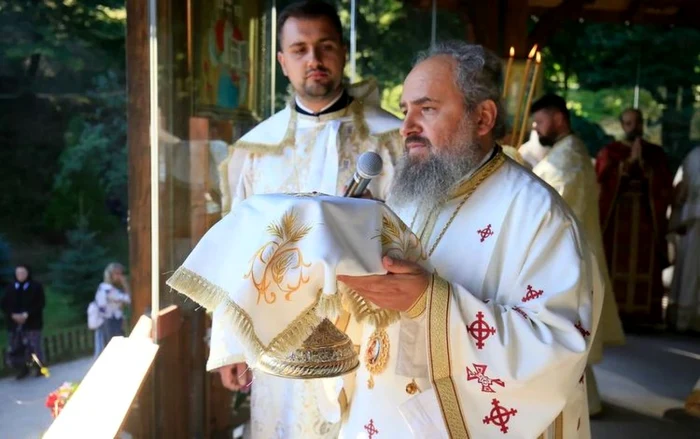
(271, 265)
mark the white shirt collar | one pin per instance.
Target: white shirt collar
(303, 107)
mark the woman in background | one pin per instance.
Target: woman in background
(23, 307)
(111, 297)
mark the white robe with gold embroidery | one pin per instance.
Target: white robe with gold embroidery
(568, 169)
(501, 349)
(290, 152)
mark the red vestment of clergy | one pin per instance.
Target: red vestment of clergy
(633, 201)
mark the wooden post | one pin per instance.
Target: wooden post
(138, 117)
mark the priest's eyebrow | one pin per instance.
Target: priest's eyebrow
(419, 101)
(303, 43)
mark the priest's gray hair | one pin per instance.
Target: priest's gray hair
(479, 75)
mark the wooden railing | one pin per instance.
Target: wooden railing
(65, 344)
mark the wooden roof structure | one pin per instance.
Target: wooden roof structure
(499, 24)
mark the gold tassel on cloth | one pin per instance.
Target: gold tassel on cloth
(310, 347)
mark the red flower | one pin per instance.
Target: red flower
(51, 400)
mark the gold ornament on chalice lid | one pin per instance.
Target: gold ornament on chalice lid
(326, 353)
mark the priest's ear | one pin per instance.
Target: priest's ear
(485, 117)
(282, 61)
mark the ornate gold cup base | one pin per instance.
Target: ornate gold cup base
(326, 353)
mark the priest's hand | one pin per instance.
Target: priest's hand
(397, 290)
(236, 376)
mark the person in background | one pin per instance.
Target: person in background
(567, 168)
(635, 190)
(310, 145)
(23, 309)
(684, 300)
(111, 297)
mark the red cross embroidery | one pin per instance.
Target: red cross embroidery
(581, 329)
(480, 330)
(371, 430)
(500, 416)
(521, 312)
(532, 294)
(485, 233)
(486, 382)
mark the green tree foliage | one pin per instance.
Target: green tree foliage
(51, 53)
(78, 270)
(6, 269)
(93, 166)
(597, 65)
(389, 35)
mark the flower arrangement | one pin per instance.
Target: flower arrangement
(59, 397)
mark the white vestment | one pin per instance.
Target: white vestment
(684, 302)
(569, 171)
(501, 347)
(291, 152)
(532, 151)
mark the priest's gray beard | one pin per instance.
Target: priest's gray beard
(427, 181)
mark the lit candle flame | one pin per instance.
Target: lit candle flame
(538, 59)
(533, 51)
(512, 51)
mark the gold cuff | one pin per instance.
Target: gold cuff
(419, 306)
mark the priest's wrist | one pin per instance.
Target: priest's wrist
(419, 306)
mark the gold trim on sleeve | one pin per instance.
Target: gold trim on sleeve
(439, 358)
(418, 307)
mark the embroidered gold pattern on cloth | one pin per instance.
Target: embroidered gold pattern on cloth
(279, 264)
(400, 242)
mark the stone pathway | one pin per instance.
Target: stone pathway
(23, 414)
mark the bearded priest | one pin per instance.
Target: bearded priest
(493, 342)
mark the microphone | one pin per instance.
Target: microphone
(369, 165)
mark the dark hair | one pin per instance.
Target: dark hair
(478, 74)
(633, 110)
(551, 102)
(309, 9)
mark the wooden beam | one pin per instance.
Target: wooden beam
(550, 20)
(138, 118)
(105, 396)
(141, 423)
(683, 18)
(632, 10)
(514, 32)
(169, 322)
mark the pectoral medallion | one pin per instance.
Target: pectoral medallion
(376, 354)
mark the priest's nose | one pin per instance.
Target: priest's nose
(409, 126)
(314, 58)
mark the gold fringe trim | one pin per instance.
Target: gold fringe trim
(329, 306)
(211, 296)
(197, 288)
(365, 311)
(294, 335)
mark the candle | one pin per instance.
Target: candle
(506, 84)
(529, 101)
(521, 95)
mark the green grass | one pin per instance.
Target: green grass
(59, 314)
